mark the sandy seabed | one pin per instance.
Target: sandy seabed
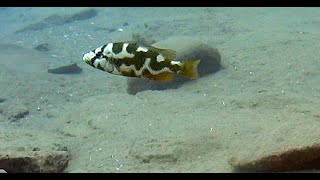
(265, 98)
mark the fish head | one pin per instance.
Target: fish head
(89, 58)
(97, 60)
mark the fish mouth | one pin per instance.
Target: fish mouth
(89, 57)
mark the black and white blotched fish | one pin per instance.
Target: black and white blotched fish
(137, 60)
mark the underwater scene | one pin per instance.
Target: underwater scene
(159, 89)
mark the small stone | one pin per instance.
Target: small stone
(36, 149)
(42, 47)
(19, 114)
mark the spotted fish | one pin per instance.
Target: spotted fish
(137, 60)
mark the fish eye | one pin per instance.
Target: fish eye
(99, 55)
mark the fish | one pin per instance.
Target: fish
(133, 59)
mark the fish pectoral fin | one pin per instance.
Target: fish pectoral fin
(164, 77)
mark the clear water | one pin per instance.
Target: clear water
(264, 99)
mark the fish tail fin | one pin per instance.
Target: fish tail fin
(189, 68)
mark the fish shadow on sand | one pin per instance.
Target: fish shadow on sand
(210, 63)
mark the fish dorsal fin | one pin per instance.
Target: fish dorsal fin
(167, 53)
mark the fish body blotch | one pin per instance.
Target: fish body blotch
(138, 60)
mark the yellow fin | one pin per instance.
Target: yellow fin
(189, 68)
(164, 77)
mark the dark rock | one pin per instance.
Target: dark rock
(42, 47)
(20, 115)
(125, 24)
(34, 162)
(83, 15)
(295, 159)
(2, 100)
(60, 20)
(31, 150)
(69, 69)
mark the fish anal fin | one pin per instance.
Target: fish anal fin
(164, 77)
